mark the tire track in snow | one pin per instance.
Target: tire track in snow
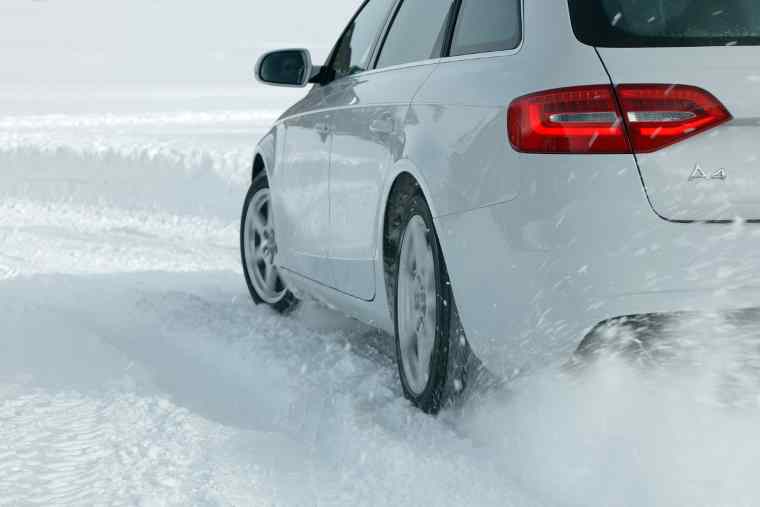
(298, 411)
(71, 449)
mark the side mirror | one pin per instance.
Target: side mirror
(287, 67)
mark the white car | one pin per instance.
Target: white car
(501, 177)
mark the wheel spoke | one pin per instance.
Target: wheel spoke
(264, 213)
(428, 327)
(261, 269)
(423, 366)
(407, 261)
(421, 253)
(259, 223)
(414, 355)
(271, 276)
(429, 287)
(259, 252)
(251, 229)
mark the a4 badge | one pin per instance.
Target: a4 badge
(699, 174)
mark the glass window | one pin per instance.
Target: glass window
(487, 25)
(354, 49)
(417, 32)
(655, 23)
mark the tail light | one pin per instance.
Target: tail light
(584, 119)
(660, 115)
(594, 120)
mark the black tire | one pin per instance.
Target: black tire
(288, 302)
(450, 356)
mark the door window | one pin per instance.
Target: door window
(353, 51)
(487, 25)
(417, 33)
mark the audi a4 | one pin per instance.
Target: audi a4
(496, 179)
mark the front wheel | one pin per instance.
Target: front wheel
(258, 248)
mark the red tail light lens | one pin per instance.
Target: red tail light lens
(588, 120)
(584, 119)
(661, 115)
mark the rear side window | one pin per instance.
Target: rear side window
(657, 23)
(487, 25)
(354, 49)
(417, 33)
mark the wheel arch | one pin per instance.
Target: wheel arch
(405, 178)
(263, 160)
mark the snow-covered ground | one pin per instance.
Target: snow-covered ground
(134, 370)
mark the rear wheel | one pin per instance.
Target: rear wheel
(427, 337)
(258, 248)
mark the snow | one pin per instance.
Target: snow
(136, 371)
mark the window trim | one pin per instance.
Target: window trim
(374, 46)
(445, 53)
(384, 35)
(456, 9)
(386, 31)
(383, 39)
(331, 57)
(480, 54)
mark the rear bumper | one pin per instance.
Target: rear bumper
(534, 276)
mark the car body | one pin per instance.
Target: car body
(540, 248)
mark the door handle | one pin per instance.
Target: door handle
(383, 126)
(323, 129)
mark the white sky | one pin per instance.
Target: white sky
(189, 41)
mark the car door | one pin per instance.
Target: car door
(369, 112)
(302, 206)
